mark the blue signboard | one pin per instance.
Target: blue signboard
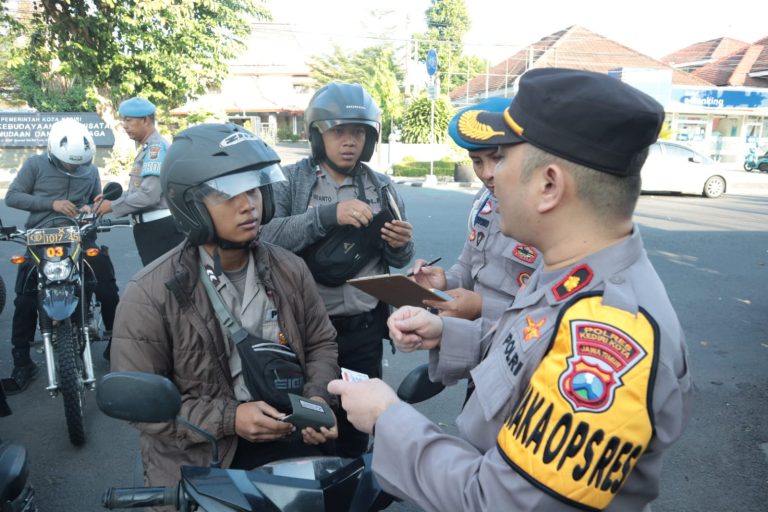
(431, 61)
(720, 98)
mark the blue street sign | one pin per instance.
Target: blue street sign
(431, 61)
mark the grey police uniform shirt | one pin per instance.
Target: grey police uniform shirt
(491, 263)
(413, 459)
(346, 299)
(39, 183)
(250, 306)
(144, 192)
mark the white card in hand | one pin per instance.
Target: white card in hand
(353, 376)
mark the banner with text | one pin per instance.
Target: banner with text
(30, 129)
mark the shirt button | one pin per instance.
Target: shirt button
(616, 280)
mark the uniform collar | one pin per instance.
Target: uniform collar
(560, 285)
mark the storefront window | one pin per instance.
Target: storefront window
(690, 129)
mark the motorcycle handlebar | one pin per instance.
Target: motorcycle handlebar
(114, 222)
(137, 497)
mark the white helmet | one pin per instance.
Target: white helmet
(70, 142)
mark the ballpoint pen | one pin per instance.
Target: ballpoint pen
(428, 264)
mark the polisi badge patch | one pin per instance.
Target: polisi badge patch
(601, 355)
(525, 253)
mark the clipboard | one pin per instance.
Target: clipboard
(397, 290)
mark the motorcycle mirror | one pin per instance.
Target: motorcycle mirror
(416, 386)
(112, 191)
(138, 396)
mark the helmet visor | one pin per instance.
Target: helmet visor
(332, 123)
(223, 188)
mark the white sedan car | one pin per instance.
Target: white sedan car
(673, 167)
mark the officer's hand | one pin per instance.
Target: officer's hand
(353, 212)
(363, 401)
(397, 233)
(314, 437)
(413, 328)
(105, 206)
(65, 207)
(85, 209)
(258, 422)
(465, 304)
(429, 276)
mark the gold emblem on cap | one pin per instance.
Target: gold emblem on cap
(512, 124)
(471, 127)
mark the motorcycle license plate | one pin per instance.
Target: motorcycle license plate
(48, 236)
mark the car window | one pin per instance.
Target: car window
(678, 152)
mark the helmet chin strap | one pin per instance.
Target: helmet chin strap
(346, 171)
(228, 245)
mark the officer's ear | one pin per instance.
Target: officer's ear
(551, 183)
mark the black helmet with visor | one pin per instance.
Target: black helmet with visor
(336, 104)
(216, 162)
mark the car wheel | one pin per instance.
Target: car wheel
(714, 186)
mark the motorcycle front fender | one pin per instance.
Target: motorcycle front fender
(59, 302)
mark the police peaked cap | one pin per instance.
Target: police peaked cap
(137, 107)
(587, 118)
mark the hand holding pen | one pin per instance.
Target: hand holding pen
(428, 276)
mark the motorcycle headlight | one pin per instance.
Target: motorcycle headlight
(57, 270)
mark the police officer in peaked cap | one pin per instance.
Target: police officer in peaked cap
(586, 382)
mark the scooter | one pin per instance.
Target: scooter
(311, 483)
(752, 162)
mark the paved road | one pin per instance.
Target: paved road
(711, 253)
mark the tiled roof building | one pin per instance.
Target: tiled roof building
(574, 47)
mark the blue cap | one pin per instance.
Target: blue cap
(136, 107)
(495, 104)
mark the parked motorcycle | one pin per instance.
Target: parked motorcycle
(752, 161)
(63, 273)
(310, 483)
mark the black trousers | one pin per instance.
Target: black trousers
(360, 349)
(25, 315)
(153, 239)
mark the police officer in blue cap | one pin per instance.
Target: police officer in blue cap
(154, 230)
(492, 266)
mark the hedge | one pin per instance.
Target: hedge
(416, 169)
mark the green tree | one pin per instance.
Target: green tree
(447, 24)
(416, 121)
(375, 68)
(82, 54)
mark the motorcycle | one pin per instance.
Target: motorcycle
(63, 274)
(752, 162)
(16, 491)
(301, 484)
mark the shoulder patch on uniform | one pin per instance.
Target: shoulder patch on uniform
(525, 253)
(154, 154)
(576, 280)
(586, 417)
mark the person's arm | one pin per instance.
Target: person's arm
(145, 197)
(458, 352)
(460, 273)
(145, 347)
(295, 226)
(20, 192)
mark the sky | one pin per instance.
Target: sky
(499, 29)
